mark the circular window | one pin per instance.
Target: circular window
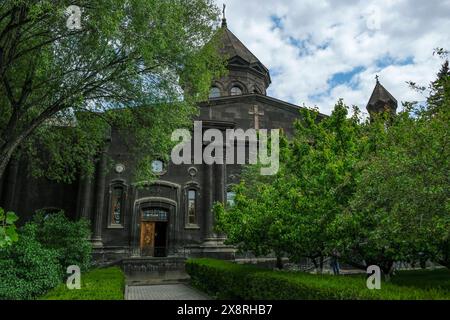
(120, 168)
(157, 167)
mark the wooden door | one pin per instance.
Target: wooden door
(147, 238)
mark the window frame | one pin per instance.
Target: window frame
(237, 87)
(191, 187)
(112, 187)
(219, 92)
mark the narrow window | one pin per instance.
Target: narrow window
(192, 201)
(230, 198)
(116, 205)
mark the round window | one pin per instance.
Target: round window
(158, 166)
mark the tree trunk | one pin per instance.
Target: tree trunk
(279, 263)
(321, 264)
(387, 268)
(4, 160)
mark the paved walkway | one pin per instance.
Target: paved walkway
(163, 292)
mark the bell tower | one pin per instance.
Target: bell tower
(246, 74)
(381, 100)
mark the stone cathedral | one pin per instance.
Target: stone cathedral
(172, 216)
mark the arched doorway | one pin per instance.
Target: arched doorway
(154, 222)
(154, 227)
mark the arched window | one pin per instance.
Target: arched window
(214, 93)
(191, 206)
(117, 204)
(236, 91)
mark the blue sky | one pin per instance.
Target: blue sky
(321, 50)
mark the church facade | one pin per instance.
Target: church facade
(171, 216)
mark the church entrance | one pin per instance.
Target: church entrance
(153, 240)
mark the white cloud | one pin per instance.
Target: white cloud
(339, 36)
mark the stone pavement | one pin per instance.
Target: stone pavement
(163, 292)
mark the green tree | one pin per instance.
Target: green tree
(323, 157)
(255, 222)
(60, 88)
(400, 210)
(289, 213)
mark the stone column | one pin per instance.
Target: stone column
(85, 198)
(208, 193)
(100, 199)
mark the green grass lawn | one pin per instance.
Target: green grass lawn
(98, 284)
(226, 280)
(424, 279)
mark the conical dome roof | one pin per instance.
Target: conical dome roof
(380, 94)
(238, 54)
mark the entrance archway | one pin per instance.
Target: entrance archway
(154, 236)
(154, 227)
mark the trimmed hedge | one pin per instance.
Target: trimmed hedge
(226, 280)
(98, 284)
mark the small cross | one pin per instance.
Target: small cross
(377, 78)
(256, 113)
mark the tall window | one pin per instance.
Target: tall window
(116, 205)
(230, 198)
(214, 92)
(236, 91)
(192, 203)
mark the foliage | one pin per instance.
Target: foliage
(46, 247)
(69, 238)
(98, 284)
(226, 280)
(27, 268)
(8, 232)
(370, 192)
(139, 66)
(322, 163)
(255, 222)
(401, 208)
(289, 213)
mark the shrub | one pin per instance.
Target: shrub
(226, 280)
(8, 233)
(68, 238)
(27, 268)
(98, 284)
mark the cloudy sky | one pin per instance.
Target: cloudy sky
(321, 50)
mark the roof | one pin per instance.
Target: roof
(380, 94)
(233, 47)
(252, 98)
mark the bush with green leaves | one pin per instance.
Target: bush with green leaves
(8, 232)
(227, 280)
(70, 239)
(27, 268)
